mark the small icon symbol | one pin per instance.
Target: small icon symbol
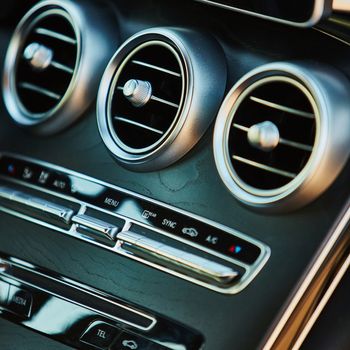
(27, 173)
(148, 214)
(131, 344)
(43, 177)
(190, 231)
(235, 249)
(212, 239)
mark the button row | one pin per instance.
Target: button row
(104, 336)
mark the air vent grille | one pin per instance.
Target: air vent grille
(141, 126)
(47, 63)
(281, 106)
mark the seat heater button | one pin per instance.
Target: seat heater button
(100, 335)
(20, 301)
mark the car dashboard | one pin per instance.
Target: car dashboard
(174, 175)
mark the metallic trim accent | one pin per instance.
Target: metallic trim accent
(251, 270)
(168, 256)
(203, 89)
(142, 126)
(161, 69)
(314, 290)
(55, 35)
(108, 230)
(93, 26)
(322, 9)
(89, 291)
(40, 90)
(265, 167)
(341, 5)
(282, 108)
(56, 211)
(330, 100)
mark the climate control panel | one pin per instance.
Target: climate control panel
(156, 234)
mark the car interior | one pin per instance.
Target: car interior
(174, 174)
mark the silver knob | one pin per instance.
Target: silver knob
(264, 136)
(39, 56)
(137, 92)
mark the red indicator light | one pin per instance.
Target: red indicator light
(235, 249)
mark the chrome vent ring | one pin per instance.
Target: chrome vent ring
(277, 142)
(52, 65)
(157, 97)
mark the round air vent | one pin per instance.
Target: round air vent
(280, 136)
(52, 64)
(158, 96)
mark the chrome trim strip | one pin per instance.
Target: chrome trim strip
(77, 286)
(63, 67)
(39, 90)
(264, 167)
(282, 108)
(152, 66)
(160, 100)
(108, 230)
(56, 211)
(314, 290)
(251, 270)
(168, 255)
(320, 10)
(55, 35)
(143, 126)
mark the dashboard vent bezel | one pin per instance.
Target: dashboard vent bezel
(328, 93)
(91, 26)
(203, 89)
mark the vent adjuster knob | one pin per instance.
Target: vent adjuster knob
(264, 136)
(39, 56)
(137, 92)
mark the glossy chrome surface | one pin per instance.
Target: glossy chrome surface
(175, 258)
(322, 8)
(251, 270)
(105, 228)
(328, 92)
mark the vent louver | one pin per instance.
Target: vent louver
(158, 96)
(148, 97)
(274, 109)
(47, 64)
(277, 138)
(54, 63)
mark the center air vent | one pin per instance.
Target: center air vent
(154, 101)
(148, 97)
(52, 67)
(278, 138)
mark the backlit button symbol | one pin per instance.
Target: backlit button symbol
(27, 173)
(130, 344)
(43, 177)
(235, 249)
(190, 231)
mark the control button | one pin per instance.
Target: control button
(88, 224)
(42, 206)
(20, 301)
(127, 341)
(100, 335)
(174, 258)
